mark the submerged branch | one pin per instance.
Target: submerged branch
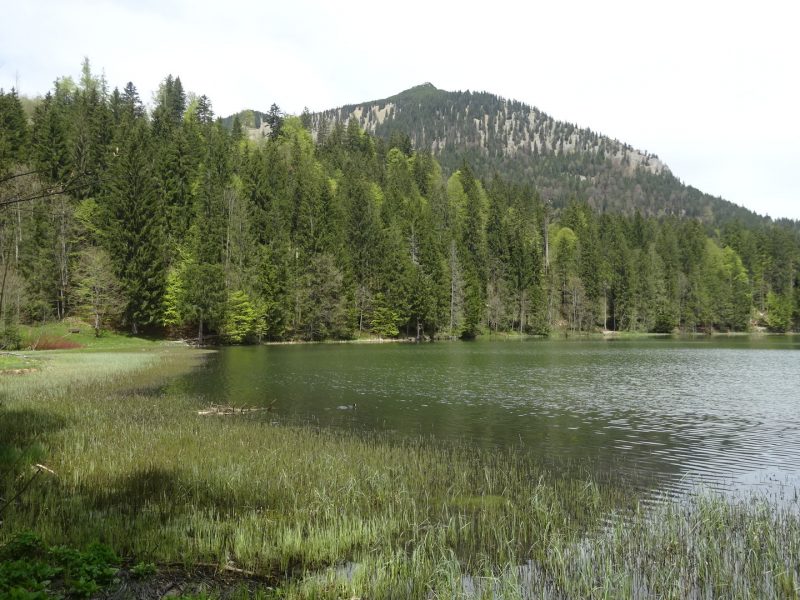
(220, 409)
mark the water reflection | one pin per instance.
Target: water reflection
(668, 414)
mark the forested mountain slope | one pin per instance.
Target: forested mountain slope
(525, 146)
(164, 220)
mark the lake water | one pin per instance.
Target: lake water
(666, 414)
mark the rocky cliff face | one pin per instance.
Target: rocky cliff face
(445, 122)
(523, 145)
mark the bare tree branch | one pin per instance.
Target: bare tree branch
(10, 177)
(73, 185)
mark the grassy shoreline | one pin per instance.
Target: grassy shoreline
(76, 334)
(316, 513)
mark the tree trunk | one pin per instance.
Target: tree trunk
(3, 286)
(453, 285)
(63, 262)
(546, 239)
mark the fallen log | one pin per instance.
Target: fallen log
(222, 409)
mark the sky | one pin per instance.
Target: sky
(712, 88)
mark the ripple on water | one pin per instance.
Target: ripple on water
(720, 413)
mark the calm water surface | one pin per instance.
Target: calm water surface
(669, 415)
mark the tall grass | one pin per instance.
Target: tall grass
(330, 514)
(12, 362)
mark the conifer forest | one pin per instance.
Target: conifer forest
(168, 221)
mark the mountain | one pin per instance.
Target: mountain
(526, 146)
(254, 122)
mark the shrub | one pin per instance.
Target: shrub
(31, 571)
(52, 342)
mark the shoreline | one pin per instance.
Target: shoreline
(304, 511)
(59, 337)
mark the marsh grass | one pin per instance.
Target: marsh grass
(11, 362)
(326, 514)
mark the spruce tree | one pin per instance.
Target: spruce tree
(130, 102)
(13, 131)
(205, 274)
(134, 232)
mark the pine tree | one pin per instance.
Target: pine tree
(13, 132)
(473, 252)
(176, 169)
(135, 227)
(205, 274)
(274, 119)
(130, 102)
(170, 106)
(204, 112)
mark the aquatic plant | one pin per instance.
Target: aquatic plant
(324, 513)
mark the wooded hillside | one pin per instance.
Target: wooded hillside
(166, 221)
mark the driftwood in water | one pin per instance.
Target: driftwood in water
(222, 409)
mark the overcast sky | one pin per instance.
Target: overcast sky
(712, 87)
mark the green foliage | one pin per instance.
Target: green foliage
(383, 320)
(170, 107)
(174, 297)
(30, 570)
(779, 312)
(142, 570)
(98, 293)
(242, 321)
(13, 131)
(134, 232)
(10, 336)
(326, 227)
(319, 310)
(23, 545)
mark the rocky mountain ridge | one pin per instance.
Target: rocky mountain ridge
(494, 126)
(523, 145)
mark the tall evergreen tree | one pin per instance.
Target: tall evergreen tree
(205, 274)
(134, 232)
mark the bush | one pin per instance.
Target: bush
(10, 338)
(52, 342)
(31, 571)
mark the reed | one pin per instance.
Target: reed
(328, 514)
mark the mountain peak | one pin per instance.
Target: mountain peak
(420, 93)
(492, 132)
(526, 146)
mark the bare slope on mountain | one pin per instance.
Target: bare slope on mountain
(524, 145)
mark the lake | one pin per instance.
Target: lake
(667, 415)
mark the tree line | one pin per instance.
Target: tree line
(165, 221)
